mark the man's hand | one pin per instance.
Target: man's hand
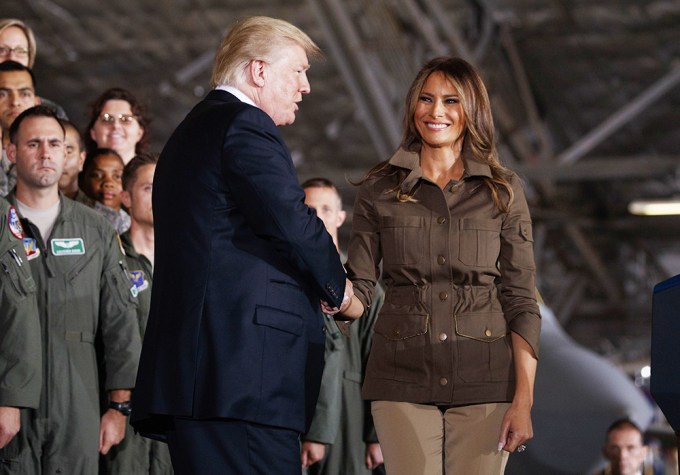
(374, 456)
(312, 452)
(10, 423)
(113, 424)
(112, 430)
(346, 300)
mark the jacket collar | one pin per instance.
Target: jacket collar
(411, 161)
(221, 95)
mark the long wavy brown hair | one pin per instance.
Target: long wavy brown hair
(479, 128)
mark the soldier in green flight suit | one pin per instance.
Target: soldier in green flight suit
(83, 290)
(20, 349)
(137, 455)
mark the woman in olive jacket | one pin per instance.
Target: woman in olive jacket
(452, 364)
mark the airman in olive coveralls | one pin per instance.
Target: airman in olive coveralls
(83, 291)
(20, 349)
(137, 455)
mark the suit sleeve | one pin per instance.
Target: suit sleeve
(260, 174)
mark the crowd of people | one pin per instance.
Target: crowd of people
(430, 336)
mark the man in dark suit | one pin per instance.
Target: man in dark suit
(233, 350)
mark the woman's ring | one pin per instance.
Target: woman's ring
(521, 448)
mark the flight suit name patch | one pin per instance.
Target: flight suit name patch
(68, 247)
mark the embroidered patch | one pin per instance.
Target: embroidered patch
(68, 247)
(31, 248)
(137, 278)
(14, 223)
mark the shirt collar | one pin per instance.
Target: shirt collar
(411, 161)
(236, 92)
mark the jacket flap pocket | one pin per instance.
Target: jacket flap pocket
(401, 326)
(481, 326)
(401, 221)
(275, 318)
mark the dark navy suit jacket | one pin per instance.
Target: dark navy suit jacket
(235, 328)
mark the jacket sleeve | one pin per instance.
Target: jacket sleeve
(326, 422)
(20, 337)
(118, 317)
(262, 179)
(518, 270)
(364, 252)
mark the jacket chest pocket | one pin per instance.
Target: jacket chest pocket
(402, 239)
(16, 276)
(479, 243)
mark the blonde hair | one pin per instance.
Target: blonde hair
(10, 22)
(257, 37)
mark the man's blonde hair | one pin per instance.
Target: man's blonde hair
(257, 37)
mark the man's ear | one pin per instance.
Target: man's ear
(126, 199)
(256, 72)
(342, 215)
(11, 151)
(81, 161)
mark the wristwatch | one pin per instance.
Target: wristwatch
(123, 407)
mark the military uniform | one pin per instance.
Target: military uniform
(20, 347)
(83, 290)
(137, 455)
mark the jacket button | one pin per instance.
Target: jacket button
(443, 296)
(441, 260)
(443, 381)
(441, 220)
(443, 336)
(397, 333)
(487, 332)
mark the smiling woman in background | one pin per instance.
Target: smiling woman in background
(120, 122)
(453, 359)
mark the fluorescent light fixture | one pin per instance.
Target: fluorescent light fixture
(655, 207)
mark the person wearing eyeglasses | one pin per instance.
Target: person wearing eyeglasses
(17, 93)
(118, 121)
(17, 42)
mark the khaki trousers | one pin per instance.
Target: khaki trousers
(417, 439)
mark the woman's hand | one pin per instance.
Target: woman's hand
(348, 300)
(516, 428)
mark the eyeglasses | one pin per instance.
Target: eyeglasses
(124, 119)
(18, 50)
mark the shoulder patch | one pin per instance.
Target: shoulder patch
(31, 248)
(138, 280)
(14, 223)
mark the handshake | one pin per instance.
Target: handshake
(346, 302)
